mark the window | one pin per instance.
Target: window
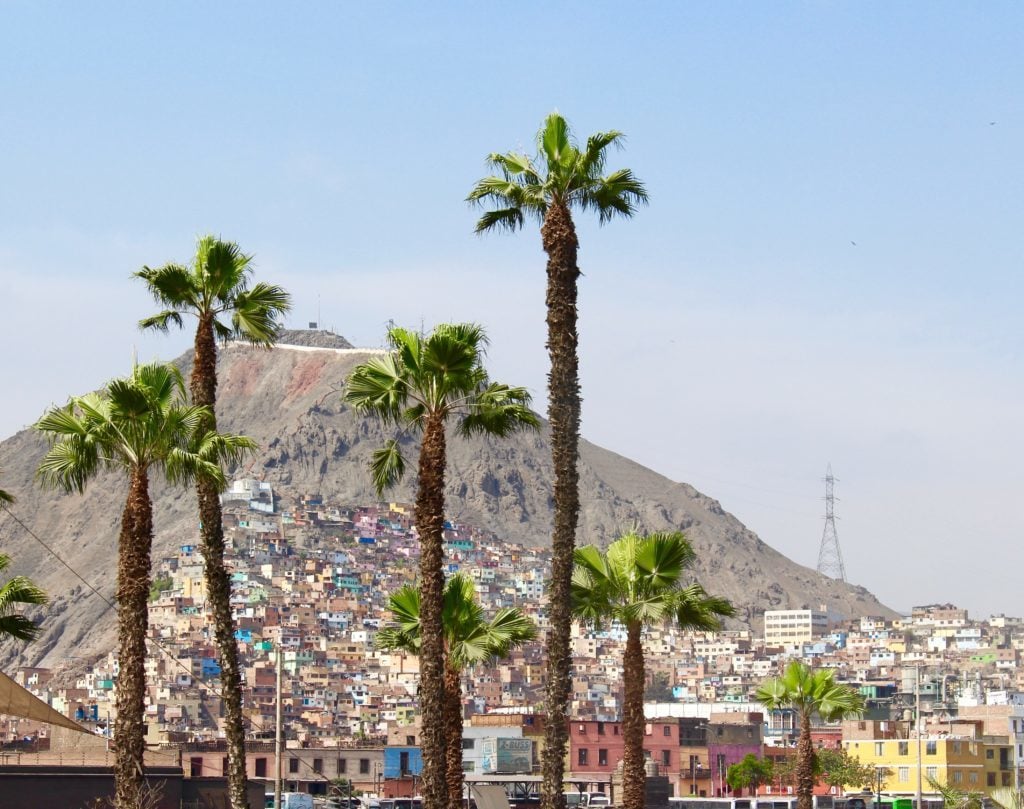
(602, 757)
(666, 757)
(261, 768)
(956, 747)
(931, 772)
(903, 774)
(195, 766)
(468, 766)
(958, 776)
(342, 765)
(904, 748)
(293, 765)
(973, 777)
(990, 779)
(364, 766)
(410, 741)
(468, 744)
(600, 728)
(990, 753)
(224, 765)
(666, 730)
(318, 765)
(879, 748)
(581, 756)
(931, 748)
(615, 730)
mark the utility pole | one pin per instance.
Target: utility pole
(830, 558)
(917, 722)
(277, 734)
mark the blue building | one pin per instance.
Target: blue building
(402, 761)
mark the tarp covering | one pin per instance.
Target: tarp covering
(16, 701)
(489, 797)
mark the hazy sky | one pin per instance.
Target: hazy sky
(829, 269)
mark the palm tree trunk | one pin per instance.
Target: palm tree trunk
(430, 527)
(133, 580)
(453, 734)
(804, 764)
(633, 773)
(203, 387)
(558, 236)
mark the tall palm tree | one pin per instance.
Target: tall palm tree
(809, 692)
(639, 583)
(547, 188)
(215, 289)
(470, 639)
(424, 382)
(14, 593)
(141, 424)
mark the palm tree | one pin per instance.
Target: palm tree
(809, 692)
(421, 384)
(547, 188)
(13, 593)
(639, 583)
(469, 639)
(139, 425)
(215, 287)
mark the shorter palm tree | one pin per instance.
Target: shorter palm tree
(638, 582)
(16, 592)
(139, 424)
(470, 639)
(809, 692)
(421, 385)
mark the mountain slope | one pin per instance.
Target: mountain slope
(288, 399)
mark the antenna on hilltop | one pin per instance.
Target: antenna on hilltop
(830, 558)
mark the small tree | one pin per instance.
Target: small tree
(839, 769)
(809, 692)
(749, 773)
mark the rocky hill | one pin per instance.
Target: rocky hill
(288, 400)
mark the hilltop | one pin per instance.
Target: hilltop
(288, 400)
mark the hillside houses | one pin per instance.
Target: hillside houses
(311, 578)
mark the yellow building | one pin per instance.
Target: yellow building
(970, 765)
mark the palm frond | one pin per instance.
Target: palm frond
(18, 627)
(498, 410)
(515, 165)
(618, 194)
(20, 590)
(592, 158)
(162, 321)
(510, 219)
(173, 286)
(555, 142)
(224, 270)
(69, 463)
(387, 466)
(257, 311)
(378, 386)
(392, 638)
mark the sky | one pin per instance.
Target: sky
(829, 270)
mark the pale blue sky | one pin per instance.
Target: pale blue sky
(733, 336)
